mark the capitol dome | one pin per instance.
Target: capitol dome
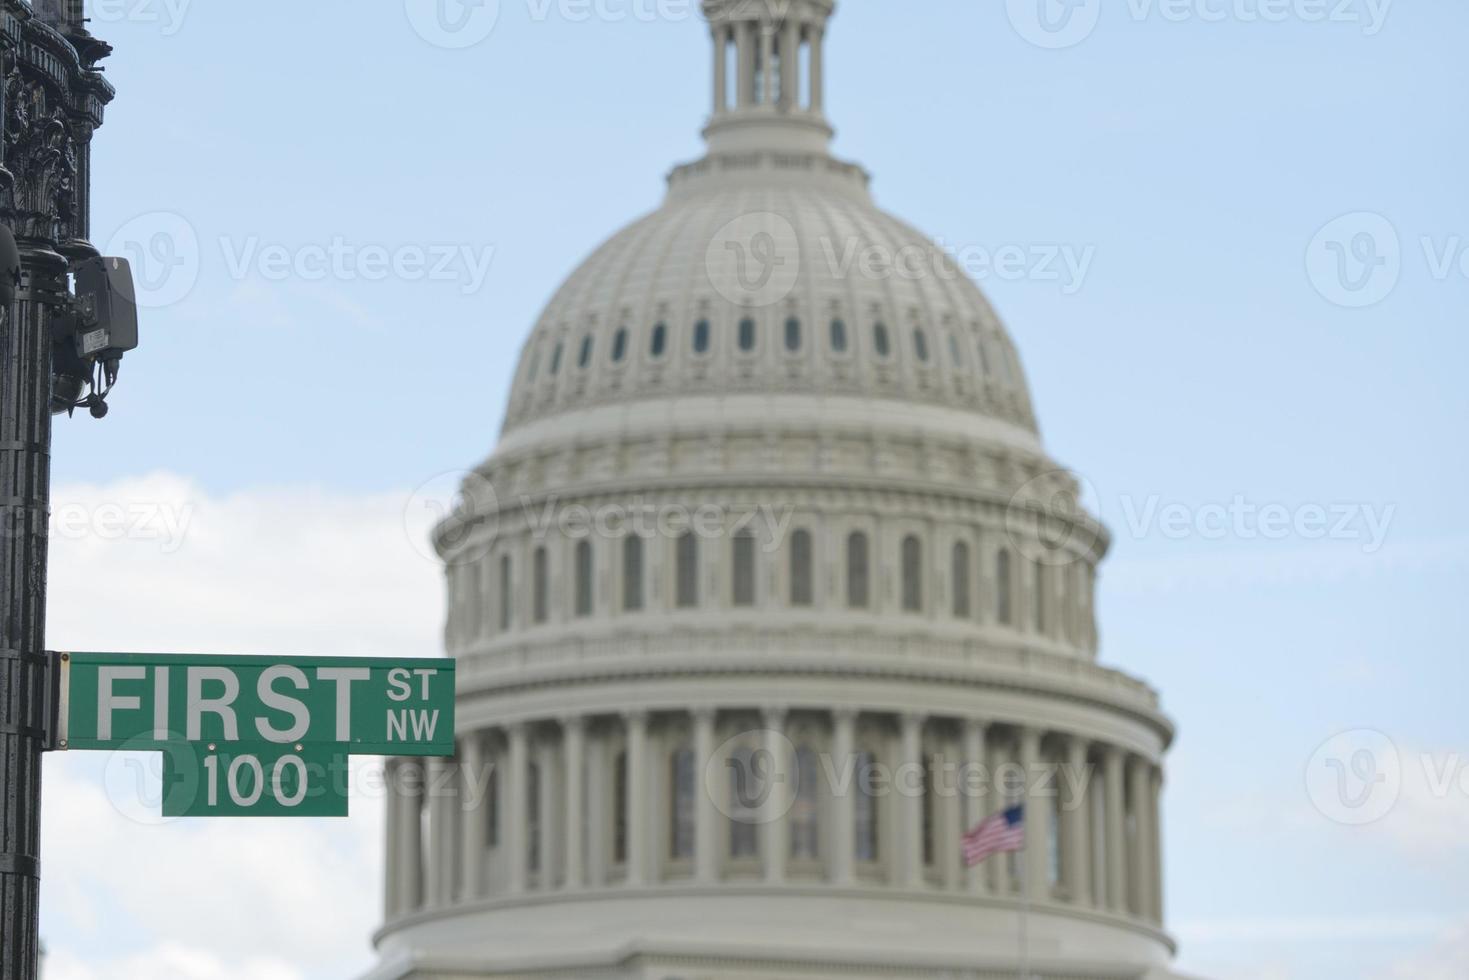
(768, 593)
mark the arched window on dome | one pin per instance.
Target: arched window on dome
(619, 345)
(619, 809)
(802, 593)
(880, 339)
(839, 336)
(659, 343)
(793, 335)
(585, 357)
(507, 592)
(920, 344)
(912, 574)
(746, 794)
(681, 801)
(535, 365)
(1039, 597)
(984, 365)
(866, 808)
(857, 570)
(1003, 587)
(540, 572)
(556, 359)
(632, 573)
(959, 579)
(584, 578)
(805, 813)
(686, 571)
(955, 353)
(701, 337)
(747, 334)
(742, 575)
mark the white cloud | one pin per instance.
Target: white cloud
(1447, 960)
(288, 571)
(168, 962)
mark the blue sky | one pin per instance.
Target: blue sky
(1195, 150)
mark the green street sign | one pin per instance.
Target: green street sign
(223, 780)
(350, 705)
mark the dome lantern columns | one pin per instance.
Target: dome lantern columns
(763, 42)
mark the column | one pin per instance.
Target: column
(1037, 816)
(1002, 756)
(910, 837)
(843, 812)
(818, 38)
(410, 841)
(1075, 855)
(574, 750)
(637, 788)
(546, 807)
(745, 41)
(435, 887)
(1142, 851)
(790, 64)
(392, 861)
(767, 64)
(776, 808)
(515, 806)
(599, 808)
(1156, 820)
(977, 793)
(474, 784)
(948, 844)
(721, 69)
(706, 848)
(1116, 834)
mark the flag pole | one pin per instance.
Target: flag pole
(1025, 908)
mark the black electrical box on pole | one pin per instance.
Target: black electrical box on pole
(51, 101)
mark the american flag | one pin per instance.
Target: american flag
(1005, 831)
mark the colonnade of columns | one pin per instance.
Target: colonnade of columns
(767, 63)
(849, 798)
